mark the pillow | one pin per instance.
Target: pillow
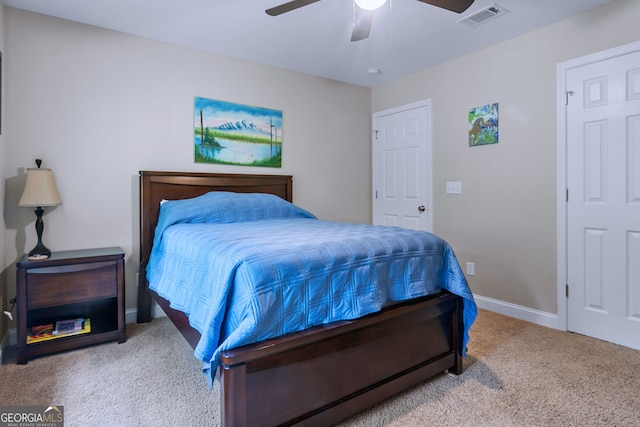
(226, 207)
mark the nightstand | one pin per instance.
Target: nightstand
(82, 284)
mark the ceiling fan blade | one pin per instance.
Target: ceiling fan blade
(289, 6)
(458, 6)
(361, 23)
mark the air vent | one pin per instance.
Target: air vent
(483, 15)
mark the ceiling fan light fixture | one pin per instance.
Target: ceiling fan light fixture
(370, 4)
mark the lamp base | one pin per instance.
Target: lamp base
(37, 257)
(40, 250)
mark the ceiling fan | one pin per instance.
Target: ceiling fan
(364, 10)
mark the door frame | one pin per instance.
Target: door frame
(561, 204)
(428, 148)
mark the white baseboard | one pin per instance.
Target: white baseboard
(527, 314)
(12, 336)
(517, 311)
(131, 315)
(157, 311)
(4, 343)
(512, 310)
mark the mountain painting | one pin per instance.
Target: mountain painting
(236, 134)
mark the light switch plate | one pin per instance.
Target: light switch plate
(454, 187)
(471, 269)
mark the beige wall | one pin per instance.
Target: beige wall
(98, 106)
(3, 262)
(505, 219)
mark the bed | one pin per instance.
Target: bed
(324, 373)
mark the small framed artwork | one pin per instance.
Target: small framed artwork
(236, 134)
(483, 125)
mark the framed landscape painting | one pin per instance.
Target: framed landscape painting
(235, 134)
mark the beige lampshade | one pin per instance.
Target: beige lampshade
(39, 190)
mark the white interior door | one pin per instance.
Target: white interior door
(402, 167)
(603, 207)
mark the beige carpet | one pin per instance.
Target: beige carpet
(517, 374)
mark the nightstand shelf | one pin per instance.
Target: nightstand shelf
(71, 284)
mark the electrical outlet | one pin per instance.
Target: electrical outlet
(471, 268)
(454, 187)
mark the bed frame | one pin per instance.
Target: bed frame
(324, 374)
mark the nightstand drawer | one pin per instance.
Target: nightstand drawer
(71, 283)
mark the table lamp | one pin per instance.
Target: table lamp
(39, 191)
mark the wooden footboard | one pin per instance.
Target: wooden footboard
(325, 374)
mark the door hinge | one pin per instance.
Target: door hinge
(566, 290)
(567, 196)
(376, 194)
(566, 96)
(375, 133)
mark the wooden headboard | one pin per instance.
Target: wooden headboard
(156, 186)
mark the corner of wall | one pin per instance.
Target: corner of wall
(3, 261)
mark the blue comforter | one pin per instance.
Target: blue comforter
(247, 267)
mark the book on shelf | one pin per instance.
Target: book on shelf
(61, 329)
(41, 330)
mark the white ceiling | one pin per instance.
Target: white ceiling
(407, 35)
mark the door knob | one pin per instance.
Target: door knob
(421, 208)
